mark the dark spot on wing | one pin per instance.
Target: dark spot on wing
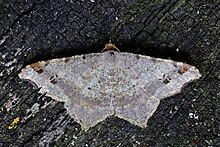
(111, 53)
(153, 59)
(166, 79)
(66, 60)
(180, 71)
(53, 81)
(137, 56)
(37, 68)
(84, 57)
(40, 71)
(46, 63)
(174, 64)
(183, 69)
(51, 77)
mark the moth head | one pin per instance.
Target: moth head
(110, 47)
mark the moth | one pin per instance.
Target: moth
(97, 85)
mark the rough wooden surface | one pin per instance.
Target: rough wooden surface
(183, 30)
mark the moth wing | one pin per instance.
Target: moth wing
(148, 80)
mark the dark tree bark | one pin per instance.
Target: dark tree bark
(37, 30)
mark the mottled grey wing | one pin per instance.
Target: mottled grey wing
(93, 86)
(76, 81)
(58, 77)
(144, 81)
